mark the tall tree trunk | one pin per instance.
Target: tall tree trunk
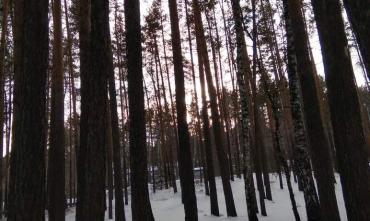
(93, 111)
(119, 212)
(301, 144)
(185, 161)
(344, 105)
(242, 71)
(27, 163)
(311, 106)
(257, 127)
(217, 130)
(140, 204)
(205, 165)
(84, 32)
(56, 167)
(208, 143)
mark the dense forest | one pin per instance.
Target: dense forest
(106, 104)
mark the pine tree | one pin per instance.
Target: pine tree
(243, 69)
(219, 141)
(27, 163)
(93, 112)
(344, 109)
(185, 161)
(140, 204)
(56, 161)
(321, 158)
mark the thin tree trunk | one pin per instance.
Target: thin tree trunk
(109, 155)
(205, 164)
(219, 141)
(56, 165)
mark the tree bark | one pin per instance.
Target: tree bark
(56, 167)
(311, 106)
(219, 141)
(243, 69)
(344, 105)
(185, 161)
(27, 163)
(140, 204)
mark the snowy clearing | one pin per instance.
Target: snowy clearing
(167, 205)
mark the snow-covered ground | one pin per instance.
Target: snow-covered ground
(167, 205)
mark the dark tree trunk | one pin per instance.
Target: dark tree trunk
(208, 143)
(27, 163)
(84, 32)
(219, 141)
(311, 106)
(109, 165)
(93, 112)
(301, 144)
(119, 211)
(56, 161)
(205, 164)
(242, 72)
(185, 161)
(344, 106)
(140, 203)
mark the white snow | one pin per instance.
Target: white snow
(167, 206)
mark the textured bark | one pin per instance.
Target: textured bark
(185, 161)
(359, 17)
(345, 110)
(56, 161)
(242, 71)
(301, 144)
(313, 117)
(140, 204)
(93, 112)
(27, 163)
(219, 141)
